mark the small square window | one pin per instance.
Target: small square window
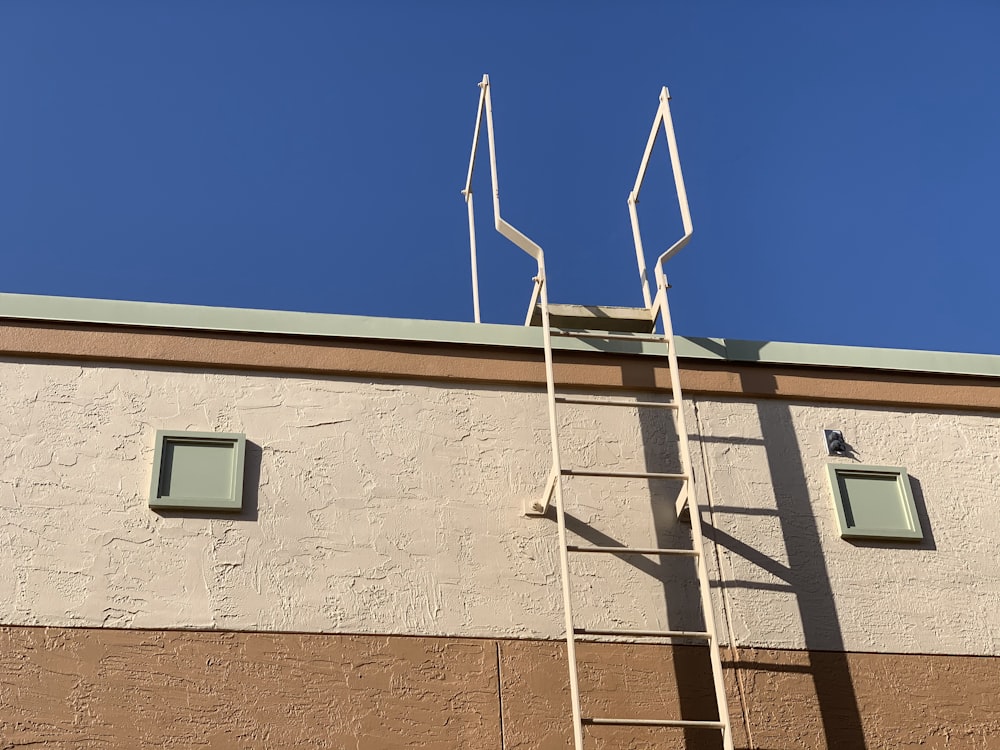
(874, 502)
(198, 471)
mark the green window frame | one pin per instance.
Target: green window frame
(874, 502)
(198, 471)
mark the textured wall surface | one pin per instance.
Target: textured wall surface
(790, 581)
(372, 507)
(798, 699)
(78, 688)
(386, 507)
(108, 689)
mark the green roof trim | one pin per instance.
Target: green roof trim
(287, 323)
(829, 355)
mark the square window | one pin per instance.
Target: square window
(874, 502)
(198, 471)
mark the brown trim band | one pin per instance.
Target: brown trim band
(481, 365)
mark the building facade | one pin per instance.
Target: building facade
(381, 586)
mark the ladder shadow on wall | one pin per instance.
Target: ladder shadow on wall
(805, 578)
(695, 697)
(833, 703)
(831, 699)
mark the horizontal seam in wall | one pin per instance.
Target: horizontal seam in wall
(484, 638)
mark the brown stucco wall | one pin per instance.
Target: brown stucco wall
(102, 688)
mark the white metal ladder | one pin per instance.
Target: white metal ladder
(632, 324)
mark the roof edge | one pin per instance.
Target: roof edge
(78, 310)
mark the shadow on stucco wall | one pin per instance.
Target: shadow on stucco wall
(678, 577)
(832, 711)
(809, 579)
(805, 577)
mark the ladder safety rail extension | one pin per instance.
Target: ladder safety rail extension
(467, 192)
(502, 226)
(637, 324)
(662, 117)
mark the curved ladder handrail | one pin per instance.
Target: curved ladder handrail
(662, 116)
(502, 226)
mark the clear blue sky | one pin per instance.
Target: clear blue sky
(842, 158)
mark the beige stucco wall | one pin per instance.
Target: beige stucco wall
(392, 508)
(395, 508)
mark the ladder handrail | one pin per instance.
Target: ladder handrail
(505, 228)
(662, 116)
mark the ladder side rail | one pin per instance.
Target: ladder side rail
(695, 514)
(475, 133)
(661, 309)
(541, 286)
(506, 229)
(557, 491)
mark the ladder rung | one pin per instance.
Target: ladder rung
(625, 474)
(614, 402)
(583, 334)
(656, 723)
(633, 550)
(646, 633)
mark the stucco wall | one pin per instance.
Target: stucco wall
(395, 508)
(790, 581)
(373, 507)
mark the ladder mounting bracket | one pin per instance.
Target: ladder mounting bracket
(540, 507)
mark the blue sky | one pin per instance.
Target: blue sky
(842, 159)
